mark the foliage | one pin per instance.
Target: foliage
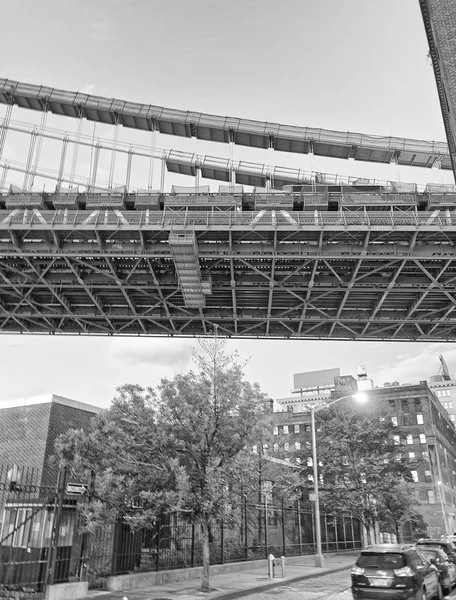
(360, 463)
(185, 446)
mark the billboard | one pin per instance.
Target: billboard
(313, 379)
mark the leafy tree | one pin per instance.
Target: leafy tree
(397, 506)
(185, 446)
(212, 418)
(360, 463)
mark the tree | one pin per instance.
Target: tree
(212, 418)
(397, 506)
(185, 446)
(129, 454)
(361, 461)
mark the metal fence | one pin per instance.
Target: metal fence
(43, 540)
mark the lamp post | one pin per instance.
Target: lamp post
(360, 397)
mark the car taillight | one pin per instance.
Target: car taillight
(357, 571)
(404, 572)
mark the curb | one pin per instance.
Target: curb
(268, 586)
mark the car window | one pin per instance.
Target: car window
(382, 560)
(416, 559)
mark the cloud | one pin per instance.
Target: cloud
(152, 352)
(100, 31)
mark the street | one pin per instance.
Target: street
(335, 586)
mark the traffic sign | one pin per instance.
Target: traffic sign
(313, 497)
(76, 489)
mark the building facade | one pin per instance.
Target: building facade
(428, 439)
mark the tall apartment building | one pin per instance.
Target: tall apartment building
(444, 387)
(430, 441)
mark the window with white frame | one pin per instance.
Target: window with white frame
(394, 421)
(409, 439)
(276, 447)
(286, 446)
(296, 428)
(414, 475)
(411, 455)
(419, 418)
(397, 440)
(422, 438)
(276, 430)
(297, 445)
(285, 428)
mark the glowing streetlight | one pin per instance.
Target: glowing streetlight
(361, 398)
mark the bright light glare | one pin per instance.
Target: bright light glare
(361, 397)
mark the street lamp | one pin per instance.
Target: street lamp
(359, 397)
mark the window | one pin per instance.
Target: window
(255, 449)
(439, 393)
(422, 438)
(409, 439)
(450, 404)
(309, 461)
(419, 418)
(418, 404)
(276, 447)
(297, 445)
(427, 476)
(414, 475)
(286, 446)
(397, 440)
(285, 428)
(276, 430)
(452, 418)
(296, 428)
(431, 496)
(448, 393)
(411, 455)
(394, 421)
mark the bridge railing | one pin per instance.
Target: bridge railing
(290, 219)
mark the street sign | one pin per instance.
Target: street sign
(76, 489)
(313, 497)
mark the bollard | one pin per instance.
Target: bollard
(282, 560)
(271, 566)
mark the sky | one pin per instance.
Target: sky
(356, 65)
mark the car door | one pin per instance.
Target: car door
(429, 573)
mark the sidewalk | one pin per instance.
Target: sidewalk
(228, 586)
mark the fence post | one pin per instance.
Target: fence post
(266, 541)
(193, 545)
(246, 530)
(222, 542)
(299, 527)
(115, 546)
(55, 531)
(283, 528)
(157, 557)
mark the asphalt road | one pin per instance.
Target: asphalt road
(328, 587)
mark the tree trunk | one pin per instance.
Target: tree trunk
(205, 587)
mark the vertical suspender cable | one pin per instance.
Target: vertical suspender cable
(62, 162)
(96, 160)
(231, 158)
(4, 128)
(76, 147)
(113, 153)
(162, 178)
(129, 161)
(38, 148)
(28, 166)
(4, 174)
(152, 156)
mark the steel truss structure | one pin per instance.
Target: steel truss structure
(278, 274)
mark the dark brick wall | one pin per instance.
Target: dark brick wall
(62, 418)
(23, 435)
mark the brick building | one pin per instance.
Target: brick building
(29, 428)
(430, 441)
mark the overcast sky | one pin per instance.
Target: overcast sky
(356, 65)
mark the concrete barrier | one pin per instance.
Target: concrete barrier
(67, 591)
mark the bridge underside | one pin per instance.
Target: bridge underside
(270, 274)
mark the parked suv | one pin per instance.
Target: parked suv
(394, 572)
(446, 545)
